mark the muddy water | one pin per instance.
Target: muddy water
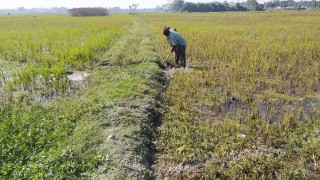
(77, 80)
(271, 110)
(78, 76)
(37, 91)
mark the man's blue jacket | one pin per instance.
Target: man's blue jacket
(175, 38)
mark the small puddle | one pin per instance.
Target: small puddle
(78, 75)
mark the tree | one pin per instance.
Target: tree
(133, 8)
(167, 7)
(177, 5)
(290, 2)
(240, 8)
(270, 5)
(252, 4)
(259, 7)
(189, 7)
(276, 3)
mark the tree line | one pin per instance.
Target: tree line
(249, 5)
(181, 6)
(210, 7)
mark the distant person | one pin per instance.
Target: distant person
(178, 44)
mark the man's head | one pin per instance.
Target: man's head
(166, 31)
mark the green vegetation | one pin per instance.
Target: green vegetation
(133, 107)
(35, 54)
(30, 141)
(105, 124)
(247, 108)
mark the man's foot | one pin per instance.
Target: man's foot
(180, 64)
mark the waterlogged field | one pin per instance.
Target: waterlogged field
(250, 106)
(247, 106)
(37, 51)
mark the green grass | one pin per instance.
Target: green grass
(30, 141)
(132, 107)
(67, 137)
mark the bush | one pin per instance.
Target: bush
(88, 12)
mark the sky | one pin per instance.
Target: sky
(13, 4)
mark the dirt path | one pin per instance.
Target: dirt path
(129, 120)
